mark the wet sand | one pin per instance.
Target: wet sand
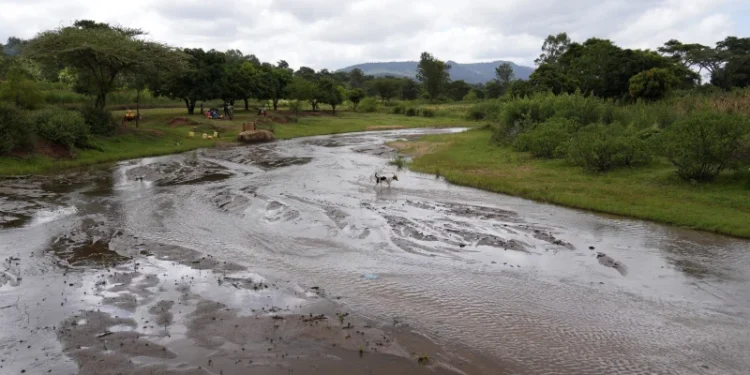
(285, 258)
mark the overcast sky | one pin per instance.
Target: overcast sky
(336, 33)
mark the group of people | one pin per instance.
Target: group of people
(213, 113)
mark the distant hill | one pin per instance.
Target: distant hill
(471, 73)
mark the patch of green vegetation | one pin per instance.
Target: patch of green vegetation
(399, 162)
(652, 193)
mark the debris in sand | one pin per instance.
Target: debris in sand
(608, 261)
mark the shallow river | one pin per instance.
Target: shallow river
(523, 287)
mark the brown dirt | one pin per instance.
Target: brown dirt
(180, 121)
(52, 150)
(385, 127)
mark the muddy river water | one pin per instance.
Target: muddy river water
(286, 258)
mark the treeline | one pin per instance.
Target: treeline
(599, 67)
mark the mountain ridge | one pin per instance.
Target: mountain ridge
(472, 73)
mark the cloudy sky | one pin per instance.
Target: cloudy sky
(336, 33)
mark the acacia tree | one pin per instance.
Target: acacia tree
(98, 52)
(434, 74)
(693, 55)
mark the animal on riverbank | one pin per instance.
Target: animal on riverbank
(385, 179)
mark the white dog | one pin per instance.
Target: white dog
(387, 180)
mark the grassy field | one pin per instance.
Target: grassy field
(651, 193)
(154, 137)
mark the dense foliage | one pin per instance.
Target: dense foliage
(701, 135)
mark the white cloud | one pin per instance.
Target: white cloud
(338, 33)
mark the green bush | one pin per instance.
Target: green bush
(399, 109)
(476, 113)
(411, 111)
(100, 122)
(67, 128)
(599, 148)
(704, 143)
(489, 110)
(20, 89)
(16, 131)
(368, 105)
(652, 84)
(426, 112)
(545, 140)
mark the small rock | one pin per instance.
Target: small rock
(591, 248)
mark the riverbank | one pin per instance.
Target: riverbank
(156, 137)
(651, 193)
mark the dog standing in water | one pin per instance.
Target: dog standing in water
(387, 180)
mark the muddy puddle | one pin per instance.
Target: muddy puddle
(286, 258)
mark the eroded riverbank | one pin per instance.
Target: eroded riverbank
(248, 259)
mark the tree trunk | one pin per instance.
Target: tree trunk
(137, 108)
(187, 105)
(247, 106)
(101, 101)
(275, 103)
(333, 108)
(191, 106)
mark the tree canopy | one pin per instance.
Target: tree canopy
(99, 53)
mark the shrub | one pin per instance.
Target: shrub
(471, 96)
(545, 139)
(368, 105)
(476, 113)
(15, 129)
(599, 148)
(652, 84)
(411, 111)
(399, 109)
(490, 110)
(67, 128)
(704, 143)
(399, 162)
(426, 112)
(100, 122)
(20, 89)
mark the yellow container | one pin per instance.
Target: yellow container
(216, 134)
(205, 135)
(191, 134)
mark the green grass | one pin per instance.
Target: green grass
(651, 193)
(154, 137)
